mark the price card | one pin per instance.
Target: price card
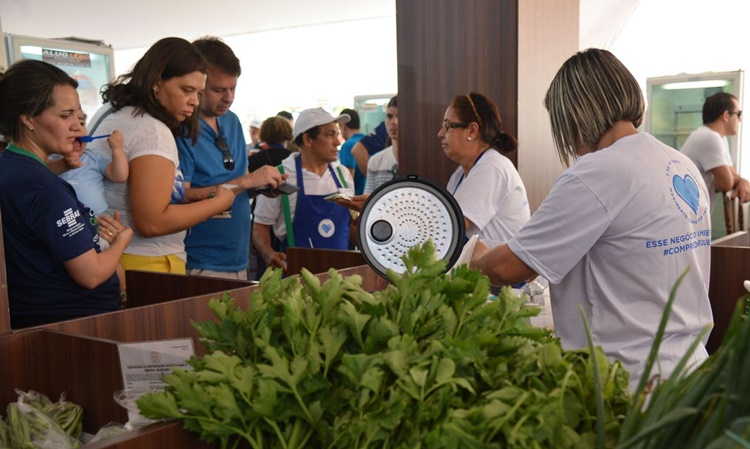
(144, 363)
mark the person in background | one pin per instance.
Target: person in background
(151, 104)
(351, 135)
(287, 115)
(291, 146)
(383, 166)
(88, 180)
(275, 132)
(370, 145)
(609, 237)
(255, 141)
(305, 218)
(56, 270)
(708, 147)
(486, 185)
(218, 246)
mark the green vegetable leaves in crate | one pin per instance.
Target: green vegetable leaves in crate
(425, 363)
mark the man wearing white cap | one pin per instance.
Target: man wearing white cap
(305, 219)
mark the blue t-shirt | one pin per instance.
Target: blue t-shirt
(217, 244)
(347, 160)
(88, 181)
(44, 225)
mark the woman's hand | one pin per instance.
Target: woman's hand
(110, 228)
(226, 196)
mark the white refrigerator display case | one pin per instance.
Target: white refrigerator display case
(675, 109)
(675, 105)
(91, 63)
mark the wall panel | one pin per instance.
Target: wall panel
(447, 48)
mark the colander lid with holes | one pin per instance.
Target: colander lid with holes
(403, 213)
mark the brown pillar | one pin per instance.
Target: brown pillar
(447, 48)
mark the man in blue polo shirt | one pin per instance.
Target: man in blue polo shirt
(219, 246)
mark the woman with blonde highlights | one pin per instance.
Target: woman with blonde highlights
(621, 224)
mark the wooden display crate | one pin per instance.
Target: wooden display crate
(80, 357)
(730, 267)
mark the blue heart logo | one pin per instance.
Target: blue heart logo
(326, 228)
(687, 189)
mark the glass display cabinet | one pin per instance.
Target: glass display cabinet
(91, 63)
(675, 109)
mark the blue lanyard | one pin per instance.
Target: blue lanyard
(461, 179)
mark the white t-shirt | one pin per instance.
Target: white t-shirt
(268, 210)
(381, 168)
(493, 197)
(708, 150)
(613, 236)
(144, 135)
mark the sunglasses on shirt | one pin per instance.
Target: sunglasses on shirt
(228, 160)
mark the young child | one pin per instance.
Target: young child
(86, 175)
(88, 180)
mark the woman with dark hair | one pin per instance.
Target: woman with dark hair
(275, 133)
(486, 185)
(156, 101)
(56, 270)
(620, 227)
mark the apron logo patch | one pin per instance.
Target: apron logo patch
(326, 228)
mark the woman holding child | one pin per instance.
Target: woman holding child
(150, 105)
(55, 268)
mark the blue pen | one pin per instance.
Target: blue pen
(87, 139)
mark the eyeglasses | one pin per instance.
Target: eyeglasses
(447, 126)
(738, 113)
(224, 148)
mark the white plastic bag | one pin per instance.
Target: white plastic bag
(127, 398)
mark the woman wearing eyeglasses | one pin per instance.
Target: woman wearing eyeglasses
(486, 185)
(150, 105)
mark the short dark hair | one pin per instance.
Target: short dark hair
(715, 105)
(286, 114)
(218, 55)
(168, 58)
(26, 88)
(312, 133)
(354, 118)
(393, 102)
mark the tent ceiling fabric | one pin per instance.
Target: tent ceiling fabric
(128, 24)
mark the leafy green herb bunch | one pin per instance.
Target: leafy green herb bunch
(428, 362)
